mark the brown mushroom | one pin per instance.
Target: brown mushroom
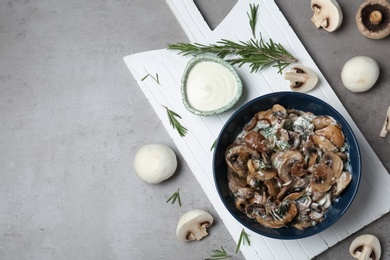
(373, 19)
(333, 133)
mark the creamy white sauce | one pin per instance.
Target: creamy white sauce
(210, 86)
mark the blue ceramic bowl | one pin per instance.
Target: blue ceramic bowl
(291, 100)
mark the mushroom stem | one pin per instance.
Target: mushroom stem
(199, 233)
(376, 17)
(295, 77)
(386, 125)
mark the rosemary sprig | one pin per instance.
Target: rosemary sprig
(219, 254)
(257, 53)
(155, 78)
(244, 239)
(253, 18)
(175, 196)
(175, 123)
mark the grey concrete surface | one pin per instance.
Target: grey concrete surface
(72, 118)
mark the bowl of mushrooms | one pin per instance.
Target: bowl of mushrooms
(287, 165)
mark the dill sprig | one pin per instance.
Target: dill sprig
(244, 239)
(175, 123)
(253, 18)
(219, 254)
(155, 78)
(257, 53)
(175, 196)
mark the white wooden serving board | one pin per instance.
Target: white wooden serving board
(371, 201)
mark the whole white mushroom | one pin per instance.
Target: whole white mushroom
(155, 163)
(360, 73)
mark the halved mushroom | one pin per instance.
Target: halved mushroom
(302, 79)
(386, 125)
(327, 14)
(333, 133)
(366, 247)
(193, 225)
(373, 19)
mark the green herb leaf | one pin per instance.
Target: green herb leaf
(244, 239)
(253, 18)
(175, 196)
(257, 53)
(155, 78)
(213, 145)
(219, 254)
(172, 116)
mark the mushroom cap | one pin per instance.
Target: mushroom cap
(192, 225)
(155, 163)
(327, 14)
(374, 29)
(360, 73)
(366, 247)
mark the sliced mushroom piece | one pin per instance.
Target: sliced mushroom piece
(193, 225)
(257, 141)
(333, 133)
(235, 183)
(302, 79)
(386, 125)
(288, 158)
(263, 174)
(335, 163)
(327, 14)
(342, 182)
(237, 157)
(321, 180)
(366, 247)
(272, 188)
(323, 143)
(241, 203)
(373, 19)
(320, 122)
(280, 216)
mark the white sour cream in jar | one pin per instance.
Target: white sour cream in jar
(210, 86)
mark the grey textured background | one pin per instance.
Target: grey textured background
(72, 118)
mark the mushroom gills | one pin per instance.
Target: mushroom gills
(366, 247)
